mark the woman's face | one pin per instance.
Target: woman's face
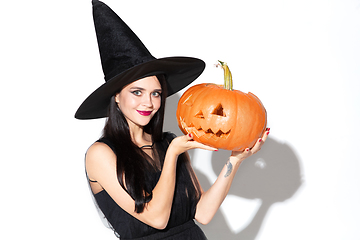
(140, 100)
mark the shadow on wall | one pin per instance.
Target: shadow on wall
(272, 175)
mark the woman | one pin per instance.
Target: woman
(141, 178)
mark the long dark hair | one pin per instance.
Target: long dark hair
(130, 158)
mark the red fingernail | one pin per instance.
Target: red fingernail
(260, 140)
(216, 150)
(267, 133)
(190, 135)
(247, 149)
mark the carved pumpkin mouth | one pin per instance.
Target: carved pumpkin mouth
(208, 133)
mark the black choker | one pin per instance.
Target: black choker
(147, 146)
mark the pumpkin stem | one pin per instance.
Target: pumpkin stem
(228, 83)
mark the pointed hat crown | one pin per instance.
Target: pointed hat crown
(120, 48)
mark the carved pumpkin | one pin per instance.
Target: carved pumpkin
(221, 117)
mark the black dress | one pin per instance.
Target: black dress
(181, 225)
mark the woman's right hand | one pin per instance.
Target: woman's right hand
(184, 143)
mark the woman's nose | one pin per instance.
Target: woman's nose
(147, 101)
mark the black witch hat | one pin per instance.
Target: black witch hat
(125, 59)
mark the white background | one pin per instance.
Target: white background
(301, 58)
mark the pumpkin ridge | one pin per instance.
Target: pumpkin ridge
(187, 101)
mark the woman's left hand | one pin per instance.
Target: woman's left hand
(240, 156)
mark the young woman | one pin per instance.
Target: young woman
(141, 178)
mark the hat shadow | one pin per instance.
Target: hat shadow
(273, 175)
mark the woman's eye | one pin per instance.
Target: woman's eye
(156, 94)
(136, 92)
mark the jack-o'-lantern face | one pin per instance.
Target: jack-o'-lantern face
(221, 118)
(210, 122)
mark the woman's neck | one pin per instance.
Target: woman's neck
(139, 136)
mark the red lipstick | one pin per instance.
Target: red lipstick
(144, 113)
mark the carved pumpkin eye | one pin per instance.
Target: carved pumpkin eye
(219, 110)
(200, 115)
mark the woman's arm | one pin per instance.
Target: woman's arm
(101, 167)
(211, 200)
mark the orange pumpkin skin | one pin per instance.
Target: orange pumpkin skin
(221, 118)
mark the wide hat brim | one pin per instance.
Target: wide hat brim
(179, 72)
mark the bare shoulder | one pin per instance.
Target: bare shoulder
(99, 159)
(99, 149)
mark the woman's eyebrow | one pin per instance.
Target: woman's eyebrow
(140, 88)
(137, 88)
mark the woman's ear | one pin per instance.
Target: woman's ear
(117, 98)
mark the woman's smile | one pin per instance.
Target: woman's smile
(144, 113)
